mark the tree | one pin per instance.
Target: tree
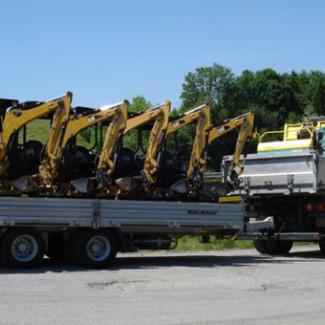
(215, 84)
(319, 97)
(139, 104)
(274, 97)
(130, 140)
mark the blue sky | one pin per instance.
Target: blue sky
(105, 51)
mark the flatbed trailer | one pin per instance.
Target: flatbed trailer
(290, 187)
(91, 231)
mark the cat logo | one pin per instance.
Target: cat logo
(221, 129)
(176, 124)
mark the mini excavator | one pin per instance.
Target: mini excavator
(14, 118)
(106, 164)
(246, 124)
(197, 162)
(191, 183)
(146, 178)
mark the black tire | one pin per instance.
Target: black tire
(259, 246)
(21, 248)
(278, 247)
(94, 248)
(322, 246)
(58, 248)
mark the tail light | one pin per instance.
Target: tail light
(250, 208)
(315, 207)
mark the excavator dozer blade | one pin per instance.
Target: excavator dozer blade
(26, 184)
(179, 187)
(86, 185)
(128, 183)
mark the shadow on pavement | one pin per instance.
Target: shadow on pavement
(175, 260)
(212, 260)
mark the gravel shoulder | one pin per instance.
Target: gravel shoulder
(219, 287)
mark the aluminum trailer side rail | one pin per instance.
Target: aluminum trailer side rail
(127, 216)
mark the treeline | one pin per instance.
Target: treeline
(276, 98)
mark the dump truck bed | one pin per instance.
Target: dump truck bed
(282, 173)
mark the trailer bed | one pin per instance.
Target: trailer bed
(126, 215)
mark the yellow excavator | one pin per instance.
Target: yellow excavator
(205, 134)
(107, 159)
(246, 124)
(159, 115)
(197, 163)
(18, 116)
(67, 127)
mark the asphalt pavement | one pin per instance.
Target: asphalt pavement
(219, 287)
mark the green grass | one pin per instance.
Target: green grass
(40, 128)
(36, 130)
(189, 243)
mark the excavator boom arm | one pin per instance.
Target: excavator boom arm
(17, 118)
(246, 131)
(187, 118)
(113, 133)
(155, 142)
(231, 124)
(197, 161)
(245, 122)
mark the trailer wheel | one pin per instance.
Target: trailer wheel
(21, 248)
(259, 246)
(278, 247)
(95, 249)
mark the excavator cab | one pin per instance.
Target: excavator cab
(173, 163)
(24, 145)
(145, 161)
(131, 149)
(80, 152)
(179, 172)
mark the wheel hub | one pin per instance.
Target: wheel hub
(98, 248)
(24, 248)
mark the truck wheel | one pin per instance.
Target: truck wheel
(278, 247)
(322, 246)
(95, 249)
(21, 248)
(259, 246)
